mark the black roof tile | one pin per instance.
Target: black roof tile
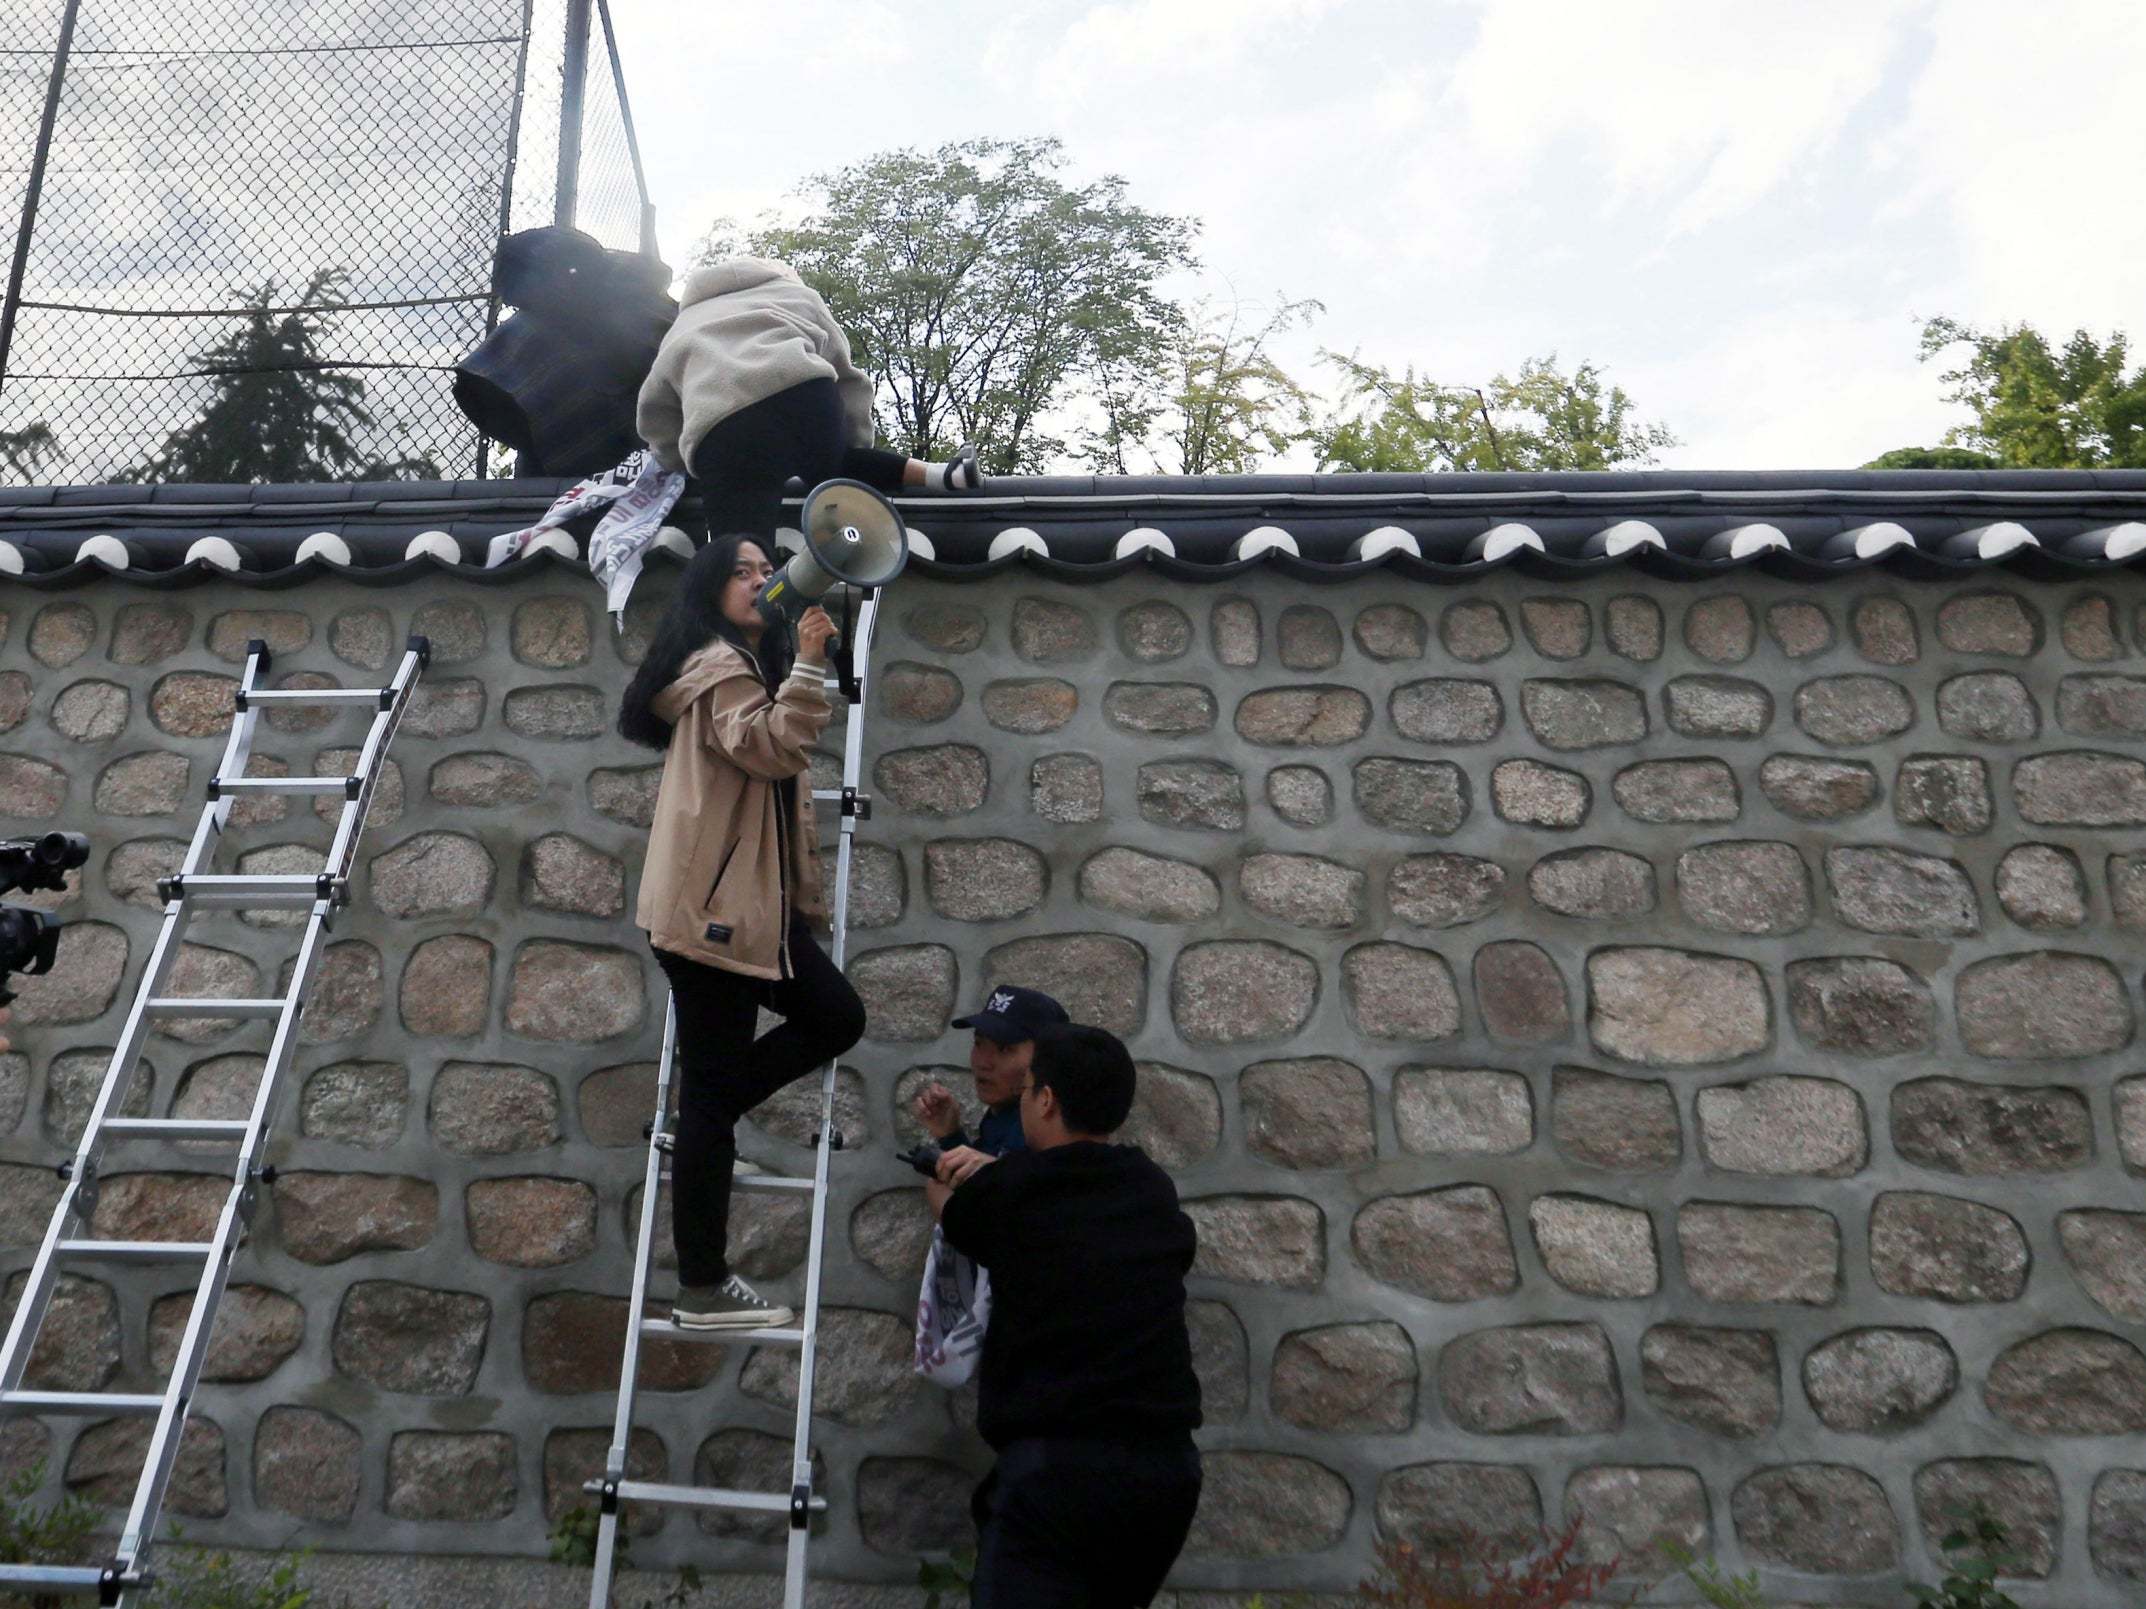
(1080, 520)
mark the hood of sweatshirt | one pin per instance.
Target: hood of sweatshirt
(701, 671)
(732, 275)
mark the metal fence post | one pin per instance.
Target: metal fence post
(13, 302)
(506, 190)
(633, 142)
(573, 81)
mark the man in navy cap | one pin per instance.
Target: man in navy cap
(1000, 1053)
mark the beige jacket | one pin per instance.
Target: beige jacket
(725, 866)
(746, 329)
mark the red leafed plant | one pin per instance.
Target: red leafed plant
(1473, 1572)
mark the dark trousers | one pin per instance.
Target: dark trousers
(723, 1073)
(1069, 1522)
(742, 462)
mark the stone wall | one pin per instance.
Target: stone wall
(1657, 1052)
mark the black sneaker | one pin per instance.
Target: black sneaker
(962, 472)
(732, 1305)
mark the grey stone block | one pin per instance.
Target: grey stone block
(1727, 1381)
(1825, 1519)
(1880, 1379)
(1450, 1245)
(1532, 1380)
(1474, 631)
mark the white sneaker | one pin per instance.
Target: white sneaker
(732, 1305)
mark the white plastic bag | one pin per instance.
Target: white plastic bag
(953, 1310)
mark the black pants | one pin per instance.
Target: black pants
(742, 462)
(1082, 1522)
(723, 1073)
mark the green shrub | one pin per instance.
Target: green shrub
(33, 1534)
(1975, 1556)
(1723, 1592)
(954, 1574)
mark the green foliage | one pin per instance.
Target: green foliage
(573, 1539)
(1220, 407)
(1540, 419)
(1722, 1592)
(1975, 1557)
(187, 1577)
(31, 1533)
(989, 300)
(1976, 1552)
(24, 452)
(1932, 458)
(200, 1578)
(2038, 406)
(953, 1574)
(275, 412)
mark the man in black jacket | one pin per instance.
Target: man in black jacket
(1086, 1390)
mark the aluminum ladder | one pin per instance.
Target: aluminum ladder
(68, 1241)
(800, 1502)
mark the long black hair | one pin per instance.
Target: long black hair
(695, 619)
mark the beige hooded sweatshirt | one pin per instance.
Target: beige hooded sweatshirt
(726, 865)
(746, 329)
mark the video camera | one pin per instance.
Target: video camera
(29, 940)
(924, 1158)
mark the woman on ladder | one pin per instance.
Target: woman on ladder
(731, 887)
(754, 385)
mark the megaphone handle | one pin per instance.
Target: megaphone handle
(845, 656)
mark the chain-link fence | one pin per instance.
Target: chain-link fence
(230, 211)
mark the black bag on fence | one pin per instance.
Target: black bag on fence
(557, 380)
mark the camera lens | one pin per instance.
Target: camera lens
(62, 851)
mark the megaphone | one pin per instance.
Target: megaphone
(853, 537)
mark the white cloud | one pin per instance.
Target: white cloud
(1736, 208)
(1698, 105)
(2018, 130)
(1197, 38)
(1805, 387)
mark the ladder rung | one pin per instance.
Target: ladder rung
(319, 695)
(662, 1329)
(707, 1497)
(191, 1006)
(222, 889)
(174, 1128)
(780, 1183)
(82, 1578)
(135, 1251)
(771, 1181)
(279, 784)
(86, 1403)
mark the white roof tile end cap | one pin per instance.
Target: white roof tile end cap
(1019, 539)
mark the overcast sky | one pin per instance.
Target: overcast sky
(1739, 210)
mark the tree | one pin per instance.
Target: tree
(990, 302)
(1931, 458)
(2036, 406)
(1540, 419)
(1222, 405)
(26, 451)
(276, 411)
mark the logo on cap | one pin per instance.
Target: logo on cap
(1001, 1002)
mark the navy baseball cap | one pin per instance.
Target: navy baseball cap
(1013, 1014)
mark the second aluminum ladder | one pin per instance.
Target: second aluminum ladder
(69, 1238)
(800, 1502)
